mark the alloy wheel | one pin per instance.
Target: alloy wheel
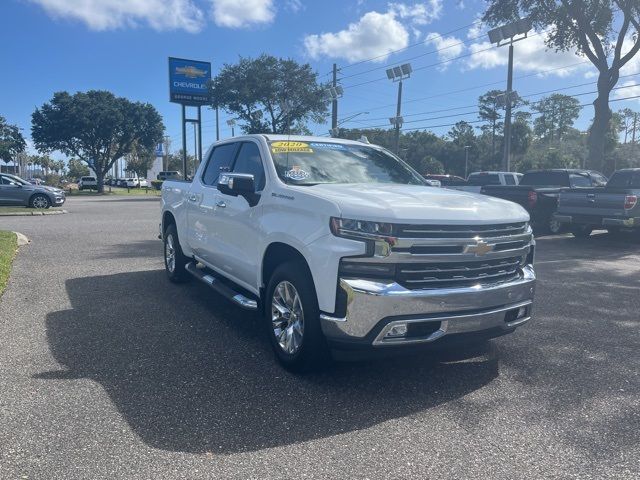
(287, 317)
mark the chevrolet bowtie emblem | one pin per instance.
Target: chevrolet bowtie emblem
(480, 248)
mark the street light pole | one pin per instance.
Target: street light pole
(398, 74)
(507, 116)
(466, 161)
(520, 28)
(398, 122)
(334, 101)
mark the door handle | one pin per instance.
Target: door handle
(221, 204)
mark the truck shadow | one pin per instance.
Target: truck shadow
(189, 372)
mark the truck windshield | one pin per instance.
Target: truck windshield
(310, 163)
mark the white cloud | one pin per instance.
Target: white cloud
(111, 14)
(448, 47)
(242, 13)
(530, 55)
(418, 13)
(630, 68)
(374, 34)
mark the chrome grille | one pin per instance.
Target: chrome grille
(459, 231)
(458, 274)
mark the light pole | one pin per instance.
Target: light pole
(232, 123)
(466, 160)
(507, 32)
(398, 74)
(334, 93)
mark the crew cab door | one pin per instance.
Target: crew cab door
(202, 204)
(237, 222)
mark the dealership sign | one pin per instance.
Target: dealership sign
(188, 81)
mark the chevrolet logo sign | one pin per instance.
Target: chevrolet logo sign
(480, 248)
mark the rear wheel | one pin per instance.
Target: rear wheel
(581, 232)
(292, 317)
(174, 260)
(39, 201)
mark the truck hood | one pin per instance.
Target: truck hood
(417, 204)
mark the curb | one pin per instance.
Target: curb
(22, 239)
(32, 213)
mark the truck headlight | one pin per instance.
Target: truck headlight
(344, 227)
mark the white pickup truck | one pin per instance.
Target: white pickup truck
(342, 248)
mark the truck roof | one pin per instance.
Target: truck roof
(272, 137)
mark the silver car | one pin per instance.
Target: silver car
(18, 192)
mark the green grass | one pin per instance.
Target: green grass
(8, 247)
(27, 209)
(114, 191)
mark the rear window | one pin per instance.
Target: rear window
(624, 180)
(88, 179)
(482, 179)
(547, 179)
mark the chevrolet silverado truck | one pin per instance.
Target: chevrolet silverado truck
(538, 192)
(614, 207)
(342, 248)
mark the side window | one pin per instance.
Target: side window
(220, 158)
(248, 161)
(598, 180)
(509, 180)
(579, 180)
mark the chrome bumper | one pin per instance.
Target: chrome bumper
(374, 307)
(606, 221)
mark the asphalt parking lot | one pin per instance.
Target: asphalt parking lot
(109, 371)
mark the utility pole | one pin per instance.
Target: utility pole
(633, 135)
(167, 144)
(185, 172)
(334, 101)
(506, 162)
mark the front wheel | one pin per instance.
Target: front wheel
(581, 232)
(40, 201)
(292, 317)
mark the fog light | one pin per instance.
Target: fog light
(522, 312)
(398, 330)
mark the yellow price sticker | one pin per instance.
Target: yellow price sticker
(291, 147)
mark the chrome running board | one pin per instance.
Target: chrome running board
(208, 278)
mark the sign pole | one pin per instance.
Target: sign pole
(199, 135)
(184, 143)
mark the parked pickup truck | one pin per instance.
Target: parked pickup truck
(342, 248)
(614, 207)
(538, 192)
(477, 180)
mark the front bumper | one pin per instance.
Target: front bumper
(597, 221)
(374, 308)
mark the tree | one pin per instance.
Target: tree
(430, 165)
(270, 94)
(174, 162)
(588, 27)
(557, 114)
(11, 141)
(140, 160)
(96, 127)
(76, 168)
(629, 120)
(489, 111)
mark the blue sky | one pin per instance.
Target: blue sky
(123, 45)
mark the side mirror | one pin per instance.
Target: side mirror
(239, 184)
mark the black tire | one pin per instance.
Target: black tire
(582, 232)
(175, 270)
(312, 353)
(39, 200)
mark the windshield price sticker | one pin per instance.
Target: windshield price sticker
(290, 147)
(329, 146)
(296, 173)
